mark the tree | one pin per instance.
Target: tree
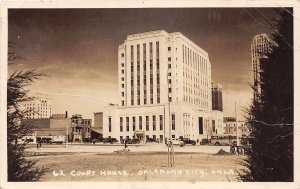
(20, 168)
(271, 157)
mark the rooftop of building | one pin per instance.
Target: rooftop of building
(166, 34)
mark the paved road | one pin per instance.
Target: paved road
(108, 148)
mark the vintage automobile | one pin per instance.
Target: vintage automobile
(132, 141)
(110, 140)
(189, 141)
(175, 141)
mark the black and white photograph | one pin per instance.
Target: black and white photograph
(149, 94)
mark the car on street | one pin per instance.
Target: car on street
(223, 140)
(150, 140)
(205, 141)
(133, 141)
(110, 140)
(188, 141)
(175, 141)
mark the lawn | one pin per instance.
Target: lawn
(138, 166)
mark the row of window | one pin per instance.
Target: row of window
(193, 61)
(81, 121)
(136, 123)
(193, 67)
(132, 86)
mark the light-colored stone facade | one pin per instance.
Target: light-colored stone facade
(164, 89)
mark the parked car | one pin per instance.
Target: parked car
(110, 140)
(224, 140)
(44, 140)
(133, 141)
(188, 141)
(150, 140)
(176, 142)
(204, 141)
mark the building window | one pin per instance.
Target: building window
(161, 137)
(161, 125)
(122, 94)
(121, 124)
(154, 137)
(109, 124)
(133, 123)
(154, 122)
(122, 71)
(138, 52)
(173, 121)
(157, 49)
(147, 123)
(122, 55)
(122, 102)
(140, 123)
(131, 53)
(169, 59)
(151, 50)
(169, 66)
(169, 48)
(173, 136)
(127, 123)
(122, 85)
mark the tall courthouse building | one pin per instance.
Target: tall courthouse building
(164, 86)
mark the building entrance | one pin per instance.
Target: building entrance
(140, 135)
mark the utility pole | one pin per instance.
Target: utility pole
(67, 138)
(237, 128)
(171, 159)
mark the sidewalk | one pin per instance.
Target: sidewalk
(132, 148)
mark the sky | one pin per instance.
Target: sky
(77, 49)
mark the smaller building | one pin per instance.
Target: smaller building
(81, 128)
(59, 125)
(37, 108)
(98, 122)
(217, 98)
(229, 126)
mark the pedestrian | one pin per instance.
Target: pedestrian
(125, 144)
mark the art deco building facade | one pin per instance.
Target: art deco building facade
(164, 89)
(259, 48)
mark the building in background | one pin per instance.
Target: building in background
(260, 47)
(81, 128)
(58, 125)
(217, 98)
(97, 129)
(229, 124)
(98, 122)
(164, 89)
(38, 108)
